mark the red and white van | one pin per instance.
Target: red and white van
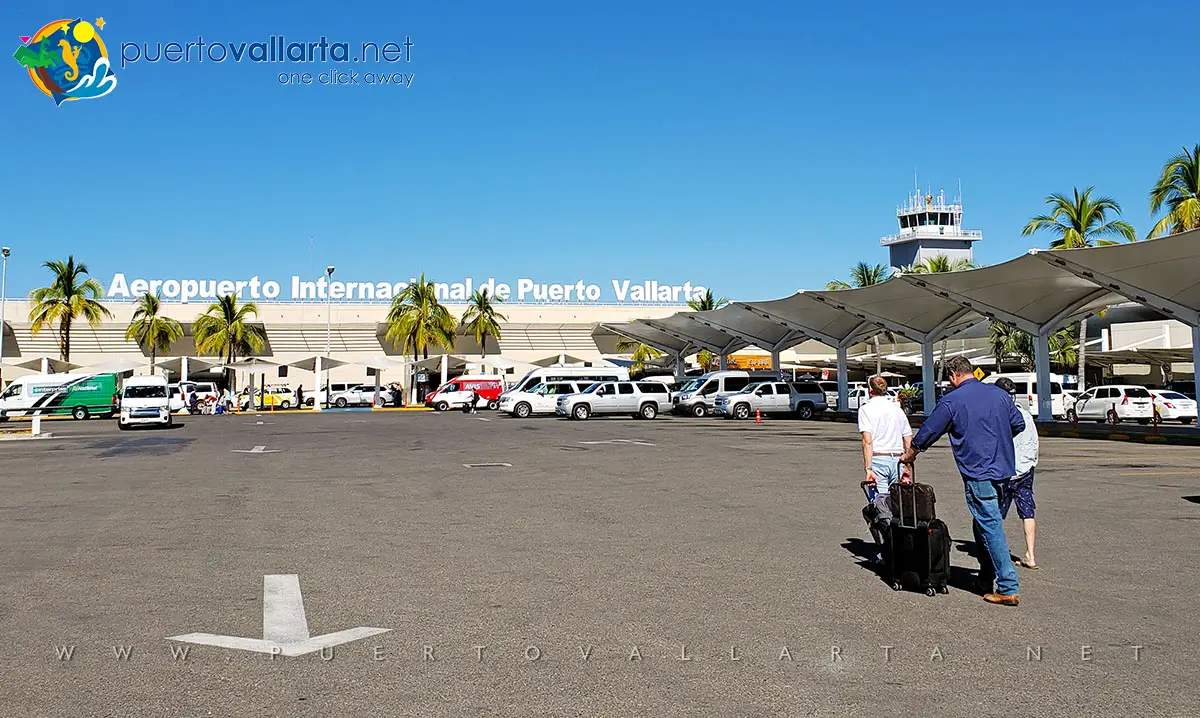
(457, 392)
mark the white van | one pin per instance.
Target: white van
(145, 400)
(1027, 392)
(540, 399)
(551, 374)
(80, 395)
(699, 395)
(202, 389)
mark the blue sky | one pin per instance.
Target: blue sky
(756, 151)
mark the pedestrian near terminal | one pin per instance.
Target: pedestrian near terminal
(886, 435)
(1020, 488)
(982, 421)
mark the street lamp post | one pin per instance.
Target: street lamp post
(328, 327)
(4, 252)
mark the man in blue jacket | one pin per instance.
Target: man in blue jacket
(982, 421)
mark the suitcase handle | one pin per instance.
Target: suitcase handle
(913, 492)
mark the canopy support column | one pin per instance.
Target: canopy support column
(677, 359)
(1195, 358)
(183, 369)
(724, 362)
(446, 367)
(317, 398)
(775, 360)
(45, 365)
(928, 380)
(375, 402)
(1041, 359)
(843, 378)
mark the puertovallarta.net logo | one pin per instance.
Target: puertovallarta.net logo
(67, 60)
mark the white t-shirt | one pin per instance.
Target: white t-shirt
(887, 423)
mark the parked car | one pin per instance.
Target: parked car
(80, 395)
(697, 397)
(1173, 406)
(829, 388)
(771, 398)
(644, 400)
(360, 395)
(144, 400)
(204, 391)
(858, 397)
(1187, 388)
(279, 397)
(335, 388)
(1113, 404)
(540, 399)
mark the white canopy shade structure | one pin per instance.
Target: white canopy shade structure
(699, 335)
(319, 363)
(1147, 357)
(119, 365)
(182, 367)
(638, 331)
(909, 311)
(47, 365)
(1036, 296)
(500, 364)
(561, 359)
(381, 363)
(754, 330)
(817, 320)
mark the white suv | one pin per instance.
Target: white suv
(1112, 404)
(540, 399)
(771, 397)
(646, 400)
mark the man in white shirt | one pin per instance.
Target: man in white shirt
(886, 435)
(1020, 487)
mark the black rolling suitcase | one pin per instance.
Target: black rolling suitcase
(918, 551)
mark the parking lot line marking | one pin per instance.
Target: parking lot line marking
(493, 464)
(1162, 473)
(256, 450)
(635, 442)
(285, 626)
(482, 419)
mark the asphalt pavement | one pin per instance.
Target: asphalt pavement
(612, 567)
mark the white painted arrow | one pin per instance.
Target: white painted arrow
(285, 627)
(256, 450)
(636, 442)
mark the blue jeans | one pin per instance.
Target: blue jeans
(887, 472)
(991, 545)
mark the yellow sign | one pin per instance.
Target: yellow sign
(979, 374)
(749, 361)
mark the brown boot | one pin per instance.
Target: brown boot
(1004, 599)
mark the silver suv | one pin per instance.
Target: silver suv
(772, 397)
(641, 399)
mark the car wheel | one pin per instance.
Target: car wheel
(522, 410)
(122, 426)
(699, 411)
(1072, 416)
(79, 413)
(340, 402)
(1184, 420)
(493, 405)
(1143, 422)
(170, 421)
(741, 411)
(804, 410)
(649, 411)
(581, 411)
(285, 404)
(441, 406)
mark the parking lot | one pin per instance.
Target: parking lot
(610, 567)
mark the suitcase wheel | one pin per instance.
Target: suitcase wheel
(896, 586)
(944, 589)
(931, 591)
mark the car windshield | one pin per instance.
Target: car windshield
(592, 389)
(691, 385)
(749, 389)
(535, 388)
(145, 392)
(524, 379)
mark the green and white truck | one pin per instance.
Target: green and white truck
(80, 395)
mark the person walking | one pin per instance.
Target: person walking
(1020, 488)
(982, 421)
(886, 435)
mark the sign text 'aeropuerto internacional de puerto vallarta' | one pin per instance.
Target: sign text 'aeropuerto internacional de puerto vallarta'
(618, 291)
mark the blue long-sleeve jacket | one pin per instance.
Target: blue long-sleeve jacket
(982, 420)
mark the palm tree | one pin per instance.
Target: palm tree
(225, 330)
(865, 275)
(707, 302)
(417, 320)
(68, 297)
(1178, 188)
(940, 264)
(481, 318)
(151, 329)
(1081, 221)
(641, 354)
(1009, 341)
